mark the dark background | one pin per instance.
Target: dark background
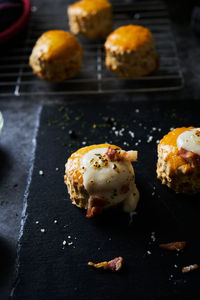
(47, 269)
(21, 117)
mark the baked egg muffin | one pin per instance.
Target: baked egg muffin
(56, 56)
(178, 163)
(102, 176)
(130, 52)
(93, 19)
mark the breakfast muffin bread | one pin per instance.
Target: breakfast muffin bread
(130, 52)
(93, 19)
(101, 176)
(178, 163)
(56, 56)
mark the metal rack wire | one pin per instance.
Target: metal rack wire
(16, 77)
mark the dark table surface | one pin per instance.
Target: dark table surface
(60, 271)
(21, 117)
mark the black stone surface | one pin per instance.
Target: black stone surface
(21, 116)
(47, 269)
(16, 149)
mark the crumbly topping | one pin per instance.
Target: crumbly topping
(197, 133)
(174, 246)
(113, 265)
(190, 268)
(99, 162)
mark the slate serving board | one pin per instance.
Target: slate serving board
(47, 269)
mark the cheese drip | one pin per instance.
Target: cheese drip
(190, 140)
(104, 178)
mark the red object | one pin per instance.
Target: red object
(111, 153)
(18, 25)
(190, 157)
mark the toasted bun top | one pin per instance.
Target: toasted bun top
(129, 38)
(89, 6)
(169, 148)
(57, 44)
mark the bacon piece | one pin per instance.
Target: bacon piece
(173, 246)
(124, 189)
(190, 268)
(128, 155)
(197, 133)
(111, 153)
(96, 205)
(189, 156)
(97, 201)
(117, 155)
(113, 265)
(93, 211)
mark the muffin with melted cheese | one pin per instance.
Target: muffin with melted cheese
(56, 56)
(93, 19)
(178, 163)
(101, 176)
(130, 52)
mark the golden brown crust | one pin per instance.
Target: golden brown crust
(93, 19)
(172, 169)
(88, 6)
(57, 44)
(129, 38)
(130, 52)
(56, 56)
(78, 193)
(168, 145)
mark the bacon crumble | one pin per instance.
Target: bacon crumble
(111, 153)
(96, 205)
(197, 133)
(174, 246)
(189, 156)
(117, 154)
(190, 268)
(97, 201)
(113, 265)
(93, 211)
(129, 155)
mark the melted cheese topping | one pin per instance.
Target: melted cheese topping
(128, 38)
(89, 6)
(169, 148)
(190, 140)
(57, 44)
(104, 178)
(73, 166)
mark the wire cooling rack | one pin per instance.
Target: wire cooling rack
(17, 78)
